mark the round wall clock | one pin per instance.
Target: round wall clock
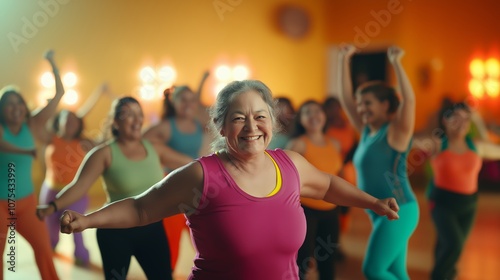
(293, 21)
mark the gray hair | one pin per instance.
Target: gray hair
(219, 110)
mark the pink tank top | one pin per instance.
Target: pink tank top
(238, 236)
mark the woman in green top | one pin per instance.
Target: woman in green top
(129, 165)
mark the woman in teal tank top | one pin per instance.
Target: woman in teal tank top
(386, 125)
(129, 165)
(18, 131)
(182, 129)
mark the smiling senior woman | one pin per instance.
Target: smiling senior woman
(242, 202)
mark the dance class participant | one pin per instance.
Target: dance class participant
(240, 201)
(128, 165)
(182, 130)
(309, 140)
(456, 160)
(64, 152)
(386, 124)
(18, 132)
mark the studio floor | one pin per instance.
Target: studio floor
(480, 259)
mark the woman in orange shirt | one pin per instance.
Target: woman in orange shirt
(309, 139)
(65, 150)
(456, 162)
(339, 128)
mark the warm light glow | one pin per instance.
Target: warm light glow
(240, 72)
(476, 88)
(223, 73)
(154, 82)
(47, 80)
(70, 97)
(147, 74)
(492, 87)
(477, 68)
(167, 74)
(218, 87)
(69, 79)
(485, 75)
(147, 92)
(492, 67)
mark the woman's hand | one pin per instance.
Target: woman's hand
(347, 50)
(394, 54)
(49, 55)
(43, 211)
(387, 207)
(72, 221)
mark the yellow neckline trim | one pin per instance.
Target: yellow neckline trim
(277, 188)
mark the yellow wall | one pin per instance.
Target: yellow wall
(111, 40)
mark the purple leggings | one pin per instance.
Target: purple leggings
(47, 195)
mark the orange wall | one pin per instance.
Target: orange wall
(111, 40)
(441, 36)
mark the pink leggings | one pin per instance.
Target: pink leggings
(33, 230)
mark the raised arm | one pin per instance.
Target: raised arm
(203, 116)
(91, 168)
(403, 124)
(170, 157)
(158, 133)
(488, 150)
(40, 118)
(480, 125)
(344, 86)
(179, 192)
(202, 83)
(91, 101)
(319, 185)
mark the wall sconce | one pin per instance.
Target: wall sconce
(224, 74)
(69, 81)
(485, 78)
(154, 82)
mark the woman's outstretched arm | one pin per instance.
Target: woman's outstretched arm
(179, 192)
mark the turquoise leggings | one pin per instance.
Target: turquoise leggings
(388, 244)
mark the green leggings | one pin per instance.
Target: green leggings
(388, 244)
